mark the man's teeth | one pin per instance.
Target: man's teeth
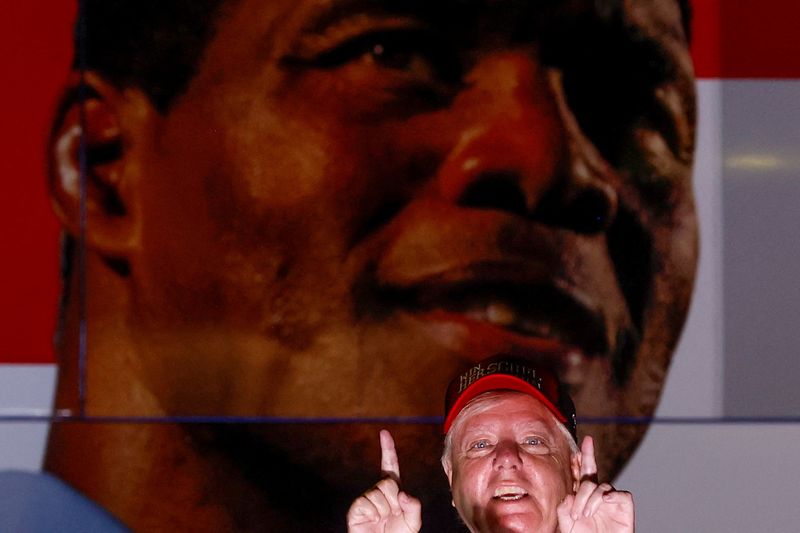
(510, 493)
(504, 315)
(538, 329)
(499, 314)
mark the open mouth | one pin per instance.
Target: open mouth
(509, 493)
(529, 310)
(539, 311)
(523, 309)
(525, 313)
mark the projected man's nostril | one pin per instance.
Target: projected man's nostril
(496, 191)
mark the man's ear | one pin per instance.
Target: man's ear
(447, 466)
(575, 468)
(448, 471)
(92, 137)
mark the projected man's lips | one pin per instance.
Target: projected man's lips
(478, 282)
(491, 307)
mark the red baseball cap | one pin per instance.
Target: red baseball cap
(504, 372)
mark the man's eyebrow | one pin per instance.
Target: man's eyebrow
(539, 426)
(481, 428)
(330, 13)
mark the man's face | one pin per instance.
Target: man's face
(355, 200)
(510, 465)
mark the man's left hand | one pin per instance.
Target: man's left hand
(595, 508)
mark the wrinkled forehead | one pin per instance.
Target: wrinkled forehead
(527, 411)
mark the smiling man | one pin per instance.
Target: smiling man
(307, 210)
(511, 458)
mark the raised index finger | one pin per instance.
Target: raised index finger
(588, 462)
(390, 466)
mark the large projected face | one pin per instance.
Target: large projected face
(352, 201)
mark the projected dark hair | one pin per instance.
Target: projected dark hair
(151, 44)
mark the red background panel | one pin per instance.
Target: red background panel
(732, 39)
(35, 37)
(760, 39)
(746, 38)
(706, 37)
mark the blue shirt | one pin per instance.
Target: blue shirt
(36, 502)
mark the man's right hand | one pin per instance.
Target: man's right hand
(385, 508)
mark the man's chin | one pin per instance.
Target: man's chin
(518, 522)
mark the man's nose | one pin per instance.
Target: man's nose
(521, 150)
(506, 456)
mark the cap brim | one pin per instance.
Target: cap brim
(498, 382)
